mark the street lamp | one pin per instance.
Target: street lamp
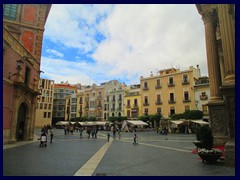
(19, 64)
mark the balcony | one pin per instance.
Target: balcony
(99, 107)
(99, 97)
(135, 106)
(128, 106)
(145, 88)
(158, 102)
(145, 104)
(171, 102)
(158, 87)
(185, 82)
(186, 100)
(171, 85)
(203, 97)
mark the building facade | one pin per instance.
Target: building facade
(132, 102)
(94, 100)
(44, 103)
(219, 24)
(113, 99)
(59, 101)
(202, 94)
(170, 92)
(23, 27)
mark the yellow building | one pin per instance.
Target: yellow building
(44, 103)
(93, 102)
(132, 102)
(170, 92)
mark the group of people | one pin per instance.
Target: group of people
(44, 133)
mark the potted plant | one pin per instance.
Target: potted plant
(207, 152)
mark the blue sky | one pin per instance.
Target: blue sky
(96, 43)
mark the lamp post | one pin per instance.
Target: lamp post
(19, 67)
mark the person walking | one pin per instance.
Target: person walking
(81, 131)
(108, 137)
(114, 133)
(51, 135)
(135, 139)
(119, 134)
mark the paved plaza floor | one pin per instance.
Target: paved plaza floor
(68, 155)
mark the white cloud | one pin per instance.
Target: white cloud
(54, 52)
(139, 39)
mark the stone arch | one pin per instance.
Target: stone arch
(22, 122)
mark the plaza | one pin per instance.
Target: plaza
(68, 155)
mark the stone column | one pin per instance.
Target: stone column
(215, 104)
(212, 58)
(227, 28)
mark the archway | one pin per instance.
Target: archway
(21, 121)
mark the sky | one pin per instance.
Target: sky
(97, 43)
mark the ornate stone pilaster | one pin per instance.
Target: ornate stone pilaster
(227, 28)
(217, 115)
(212, 57)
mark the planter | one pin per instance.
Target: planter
(209, 157)
(198, 144)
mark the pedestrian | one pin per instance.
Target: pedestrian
(81, 131)
(51, 135)
(135, 139)
(114, 133)
(119, 134)
(65, 130)
(108, 136)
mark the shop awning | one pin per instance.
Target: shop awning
(177, 122)
(138, 123)
(201, 122)
(62, 123)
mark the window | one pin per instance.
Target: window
(135, 102)
(171, 96)
(49, 114)
(120, 97)
(41, 105)
(158, 99)
(45, 106)
(146, 111)
(171, 82)
(185, 79)
(186, 96)
(27, 75)
(128, 103)
(159, 110)
(204, 109)
(107, 99)
(113, 97)
(120, 106)
(145, 86)
(145, 100)
(172, 111)
(45, 114)
(10, 11)
(158, 83)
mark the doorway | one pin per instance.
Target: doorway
(20, 130)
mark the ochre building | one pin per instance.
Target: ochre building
(23, 27)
